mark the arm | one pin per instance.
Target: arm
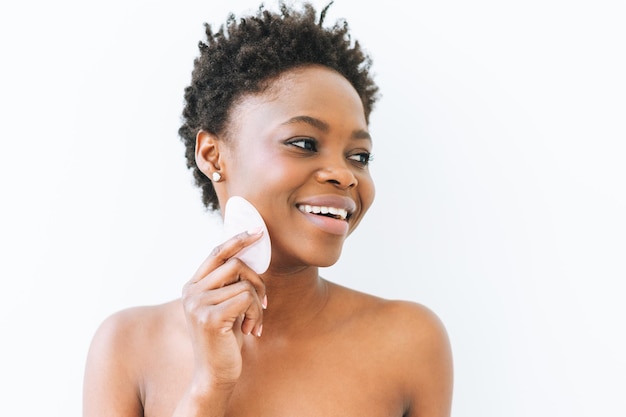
(429, 379)
(222, 302)
(110, 386)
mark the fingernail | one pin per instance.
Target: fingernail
(264, 302)
(254, 231)
(258, 333)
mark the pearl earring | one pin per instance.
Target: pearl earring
(216, 176)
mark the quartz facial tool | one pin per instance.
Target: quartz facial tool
(239, 216)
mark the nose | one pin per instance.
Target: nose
(337, 174)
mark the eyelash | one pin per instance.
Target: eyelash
(311, 142)
(362, 158)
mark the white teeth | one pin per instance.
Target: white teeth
(342, 213)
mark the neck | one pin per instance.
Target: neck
(294, 299)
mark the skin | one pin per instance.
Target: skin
(288, 342)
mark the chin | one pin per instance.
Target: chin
(324, 260)
(321, 259)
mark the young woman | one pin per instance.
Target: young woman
(277, 112)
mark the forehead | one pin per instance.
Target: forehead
(311, 77)
(313, 91)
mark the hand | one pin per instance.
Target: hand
(223, 301)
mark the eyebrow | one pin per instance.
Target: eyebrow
(324, 127)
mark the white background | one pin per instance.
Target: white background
(499, 164)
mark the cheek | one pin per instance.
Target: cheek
(274, 178)
(367, 192)
(251, 169)
(268, 181)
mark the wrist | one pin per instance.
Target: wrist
(207, 386)
(204, 399)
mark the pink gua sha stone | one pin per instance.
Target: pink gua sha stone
(239, 216)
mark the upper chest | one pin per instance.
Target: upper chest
(334, 377)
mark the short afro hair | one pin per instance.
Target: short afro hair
(245, 54)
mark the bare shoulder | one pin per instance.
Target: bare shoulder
(410, 344)
(410, 321)
(128, 330)
(117, 358)
(424, 358)
(397, 319)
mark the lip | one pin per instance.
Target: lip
(329, 224)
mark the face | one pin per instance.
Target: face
(299, 152)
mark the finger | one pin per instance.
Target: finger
(234, 270)
(242, 304)
(220, 295)
(226, 251)
(252, 324)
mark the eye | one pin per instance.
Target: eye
(362, 158)
(305, 143)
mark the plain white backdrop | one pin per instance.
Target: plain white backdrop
(499, 165)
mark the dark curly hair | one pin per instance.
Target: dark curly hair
(243, 56)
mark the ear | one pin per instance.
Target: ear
(208, 153)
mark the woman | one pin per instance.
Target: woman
(277, 112)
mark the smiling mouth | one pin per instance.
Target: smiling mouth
(333, 212)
